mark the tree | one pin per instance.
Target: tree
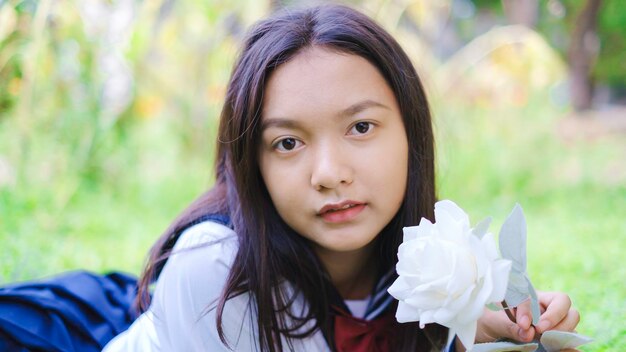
(583, 51)
(524, 12)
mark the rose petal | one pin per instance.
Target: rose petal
(437, 257)
(445, 316)
(448, 229)
(399, 289)
(447, 274)
(426, 317)
(500, 274)
(479, 299)
(464, 271)
(489, 244)
(426, 299)
(480, 255)
(453, 210)
(437, 285)
(466, 333)
(459, 303)
(409, 257)
(406, 313)
(426, 228)
(409, 233)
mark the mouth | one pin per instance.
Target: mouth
(341, 212)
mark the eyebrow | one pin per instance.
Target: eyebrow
(361, 106)
(347, 112)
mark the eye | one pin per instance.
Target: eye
(361, 127)
(286, 144)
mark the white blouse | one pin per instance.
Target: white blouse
(182, 317)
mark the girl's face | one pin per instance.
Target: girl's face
(334, 153)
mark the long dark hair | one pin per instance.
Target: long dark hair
(269, 251)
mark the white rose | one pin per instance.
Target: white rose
(447, 274)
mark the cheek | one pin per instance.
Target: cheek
(281, 185)
(388, 169)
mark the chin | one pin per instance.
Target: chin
(350, 246)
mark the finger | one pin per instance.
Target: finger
(557, 308)
(569, 322)
(515, 331)
(523, 315)
(495, 325)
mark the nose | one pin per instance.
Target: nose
(330, 168)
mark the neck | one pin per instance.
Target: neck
(353, 273)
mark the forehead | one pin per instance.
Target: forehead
(319, 81)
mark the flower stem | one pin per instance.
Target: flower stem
(508, 311)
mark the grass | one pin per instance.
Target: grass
(573, 194)
(573, 205)
(74, 195)
(110, 219)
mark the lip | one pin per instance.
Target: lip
(334, 214)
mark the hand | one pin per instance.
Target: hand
(556, 314)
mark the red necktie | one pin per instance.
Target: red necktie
(360, 335)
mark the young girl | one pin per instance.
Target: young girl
(325, 152)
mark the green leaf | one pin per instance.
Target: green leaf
(554, 340)
(504, 346)
(512, 239)
(534, 302)
(494, 307)
(517, 290)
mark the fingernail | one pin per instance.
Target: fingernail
(543, 326)
(524, 321)
(523, 334)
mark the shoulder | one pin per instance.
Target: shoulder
(182, 312)
(198, 265)
(207, 235)
(207, 247)
(182, 315)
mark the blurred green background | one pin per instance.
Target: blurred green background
(108, 114)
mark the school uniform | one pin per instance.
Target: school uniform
(82, 311)
(181, 315)
(192, 280)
